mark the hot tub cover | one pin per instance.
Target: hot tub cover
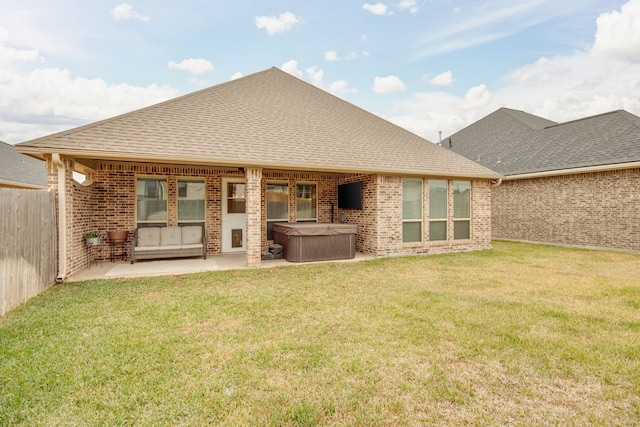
(315, 228)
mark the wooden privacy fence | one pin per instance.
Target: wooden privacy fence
(28, 245)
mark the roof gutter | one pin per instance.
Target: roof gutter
(62, 217)
(574, 171)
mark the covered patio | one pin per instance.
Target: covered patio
(180, 266)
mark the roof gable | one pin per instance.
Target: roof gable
(268, 119)
(510, 147)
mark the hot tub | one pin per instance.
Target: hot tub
(316, 241)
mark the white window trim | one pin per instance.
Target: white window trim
(190, 179)
(266, 213)
(453, 236)
(135, 191)
(446, 218)
(416, 220)
(315, 184)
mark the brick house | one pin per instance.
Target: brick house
(264, 148)
(575, 183)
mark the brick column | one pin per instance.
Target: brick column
(253, 178)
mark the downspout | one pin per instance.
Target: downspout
(62, 217)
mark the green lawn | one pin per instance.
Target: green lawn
(519, 335)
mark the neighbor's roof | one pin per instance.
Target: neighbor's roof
(269, 119)
(513, 142)
(18, 170)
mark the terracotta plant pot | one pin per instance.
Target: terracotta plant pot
(118, 235)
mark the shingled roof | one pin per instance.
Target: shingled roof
(18, 170)
(513, 142)
(269, 119)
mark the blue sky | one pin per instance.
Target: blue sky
(427, 65)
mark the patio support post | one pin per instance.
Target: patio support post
(253, 177)
(61, 184)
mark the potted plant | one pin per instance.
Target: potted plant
(93, 238)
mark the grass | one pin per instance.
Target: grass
(519, 335)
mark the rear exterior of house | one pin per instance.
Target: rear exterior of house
(267, 148)
(575, 183)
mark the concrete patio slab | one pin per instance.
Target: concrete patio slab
(171, 267)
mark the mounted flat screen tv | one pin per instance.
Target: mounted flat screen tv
(350, 196)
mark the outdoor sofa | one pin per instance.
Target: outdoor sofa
(169, 242)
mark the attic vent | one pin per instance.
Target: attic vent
(450, 145)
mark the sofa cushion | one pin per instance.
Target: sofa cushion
(194, 246)
(191, 234)
(170, 248)
(145, 249)
(148, 236)
(170, 236)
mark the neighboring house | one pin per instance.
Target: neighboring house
(264, 148)
(575, 183)
(20, 171)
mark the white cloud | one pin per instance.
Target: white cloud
(617, 35)
(126, 11)
(389, 84)
(379, 9)
(49, 100)
(275, 25)
(40, 101)
(476, 98)
(315, 75)
(442, 79)
(195, 66)
(236, 75)
(412, 5)
(291, 67)
(340, 87)
(331, 56)
(10, 55)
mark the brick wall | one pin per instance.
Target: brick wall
(365, 218)
(380, 220)
(599, 209)
(115, 189)
(255, 236)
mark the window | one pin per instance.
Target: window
(236, 197)
(190, 201)
(277, 205)
(461, 209)
(151, 200)
(411, 210)
(306, 202)
(438, 190)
